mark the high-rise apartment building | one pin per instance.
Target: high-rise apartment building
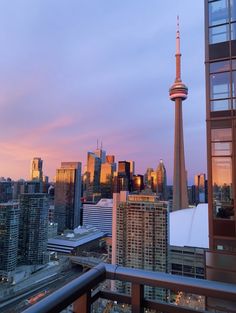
(220, 60)
(68, 196)
(178, 93)
(36, 169)
(9, 229)
(142, 236)
(32, 245)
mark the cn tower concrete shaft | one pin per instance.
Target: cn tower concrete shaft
(178, 92)
(180, 199)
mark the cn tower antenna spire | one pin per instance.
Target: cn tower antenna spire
(178, 54)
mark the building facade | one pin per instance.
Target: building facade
(220, 60)
(9, 230)
(99, 215)
(33, 229)
(67, 210)
(142, 236)
(161, 181)
(92, 190)
(36, 169)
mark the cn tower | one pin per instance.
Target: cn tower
(178, 92)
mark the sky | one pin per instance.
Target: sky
(74, 72)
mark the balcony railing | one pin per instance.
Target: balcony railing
(82, 291)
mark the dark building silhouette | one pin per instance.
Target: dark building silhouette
(9, 230)
(220, 60)
(68, 196)
(32, 244)
(178, 93)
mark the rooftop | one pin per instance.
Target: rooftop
(189, 227)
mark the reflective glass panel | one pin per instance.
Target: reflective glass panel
(234, 83)
(222, 186)
(220, 66)
(218, 12)
(219, 34)
(222, 134)
(234, 64)
(220, 105)
(221, 148)
(233, 31)
(233, 10)
(220, 85)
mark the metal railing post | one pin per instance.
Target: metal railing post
(83, 303)
(137, 293)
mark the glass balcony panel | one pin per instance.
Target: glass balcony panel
(219, 34)
(218, 12)
(222, 66)
(221, 148)
(220, 85)
(221, 134)
(220, 105)
(233, 10)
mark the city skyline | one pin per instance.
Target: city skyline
(72, 74)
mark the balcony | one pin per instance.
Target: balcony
(83, 291)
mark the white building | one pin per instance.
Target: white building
(99, 215)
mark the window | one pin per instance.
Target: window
(233, 10)
(221, 148)
(222, 66)
(221, 145)
(233, 31)
(220, 105)
(219, 34)
(218, 12)
(220, 85)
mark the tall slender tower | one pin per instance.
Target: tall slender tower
(178, 92)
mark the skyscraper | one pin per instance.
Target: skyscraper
(32, 247)
(106, 180)
(36, 169)
(220, 60)
(9, 229)
(124, 176)
(92, 177)
(178, 93)
(68, 196)
(161, 181)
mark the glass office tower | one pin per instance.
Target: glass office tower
(220, 53)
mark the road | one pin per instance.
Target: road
(19, 303)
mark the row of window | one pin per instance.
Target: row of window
(221, 15)
(223, 85)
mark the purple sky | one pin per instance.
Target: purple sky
(72, 72)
